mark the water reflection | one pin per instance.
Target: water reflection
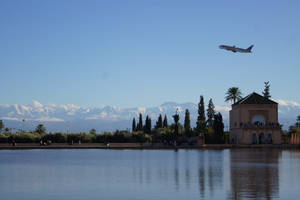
(201, 175)
(148, 174)
(246, 174)
(188, 172)
(210, 173)
(254, 174)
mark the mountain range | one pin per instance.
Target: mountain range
(73, 118)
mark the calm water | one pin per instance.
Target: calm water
(149, 174)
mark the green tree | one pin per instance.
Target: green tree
(165, 123)
(201, 121)
(159, 122)
(218, 127)
(176, 120)
(233, 94)
(133, 125)
(201, 109)
(147, 127)
(93, 131)
(1, 125)
(40, 129)
(266, 91)
(187, 123)
(140, 124)
(292, 129)
(210, 113)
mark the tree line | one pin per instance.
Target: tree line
(209, 125)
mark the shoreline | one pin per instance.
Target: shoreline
(138, 146)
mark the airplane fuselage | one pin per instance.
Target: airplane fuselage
(235, 49)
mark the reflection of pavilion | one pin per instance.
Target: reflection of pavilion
(254, 120)
(254, 174)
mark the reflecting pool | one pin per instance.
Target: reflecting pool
(150, 174)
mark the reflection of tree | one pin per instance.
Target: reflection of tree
(180, 172)
(201, 175)
(140, 174)
(210, 172)
(187, 169)
(215, 170)
(211, 180)
(254, 173)
(176, 170)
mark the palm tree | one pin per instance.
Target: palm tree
(40, 129)
(93, 131)
(233, 94)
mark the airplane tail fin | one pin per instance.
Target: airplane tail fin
(249, 48)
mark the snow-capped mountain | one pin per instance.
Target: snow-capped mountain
(288, 112)
(74, 118)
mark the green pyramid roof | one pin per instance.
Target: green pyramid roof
(255, 98)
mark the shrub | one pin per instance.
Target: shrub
(26, 137)
(119, 136)
(55, 138)
(73, 137)
(87, 138)
(3, 138)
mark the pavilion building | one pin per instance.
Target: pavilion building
(254, 120)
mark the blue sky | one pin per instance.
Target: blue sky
(142, 53)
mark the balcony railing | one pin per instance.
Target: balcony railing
(258, 125)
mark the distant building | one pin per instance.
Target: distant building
(254, 120)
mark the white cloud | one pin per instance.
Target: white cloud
(38, 107)
(288, 103)
(37, 104)
(49, 119)
(73, 106)
(116, 108)
(94, 117)
(103, 114)
(141, 109)
(11, 118)
(17, 109)
(222, 108)
(179, 109)
(160, 109)
(25, 108)
(11, 113)
(86, 110)
(69, 107)
(5, 105)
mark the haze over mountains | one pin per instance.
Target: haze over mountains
(72, 118)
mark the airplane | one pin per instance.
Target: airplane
(235, 49)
